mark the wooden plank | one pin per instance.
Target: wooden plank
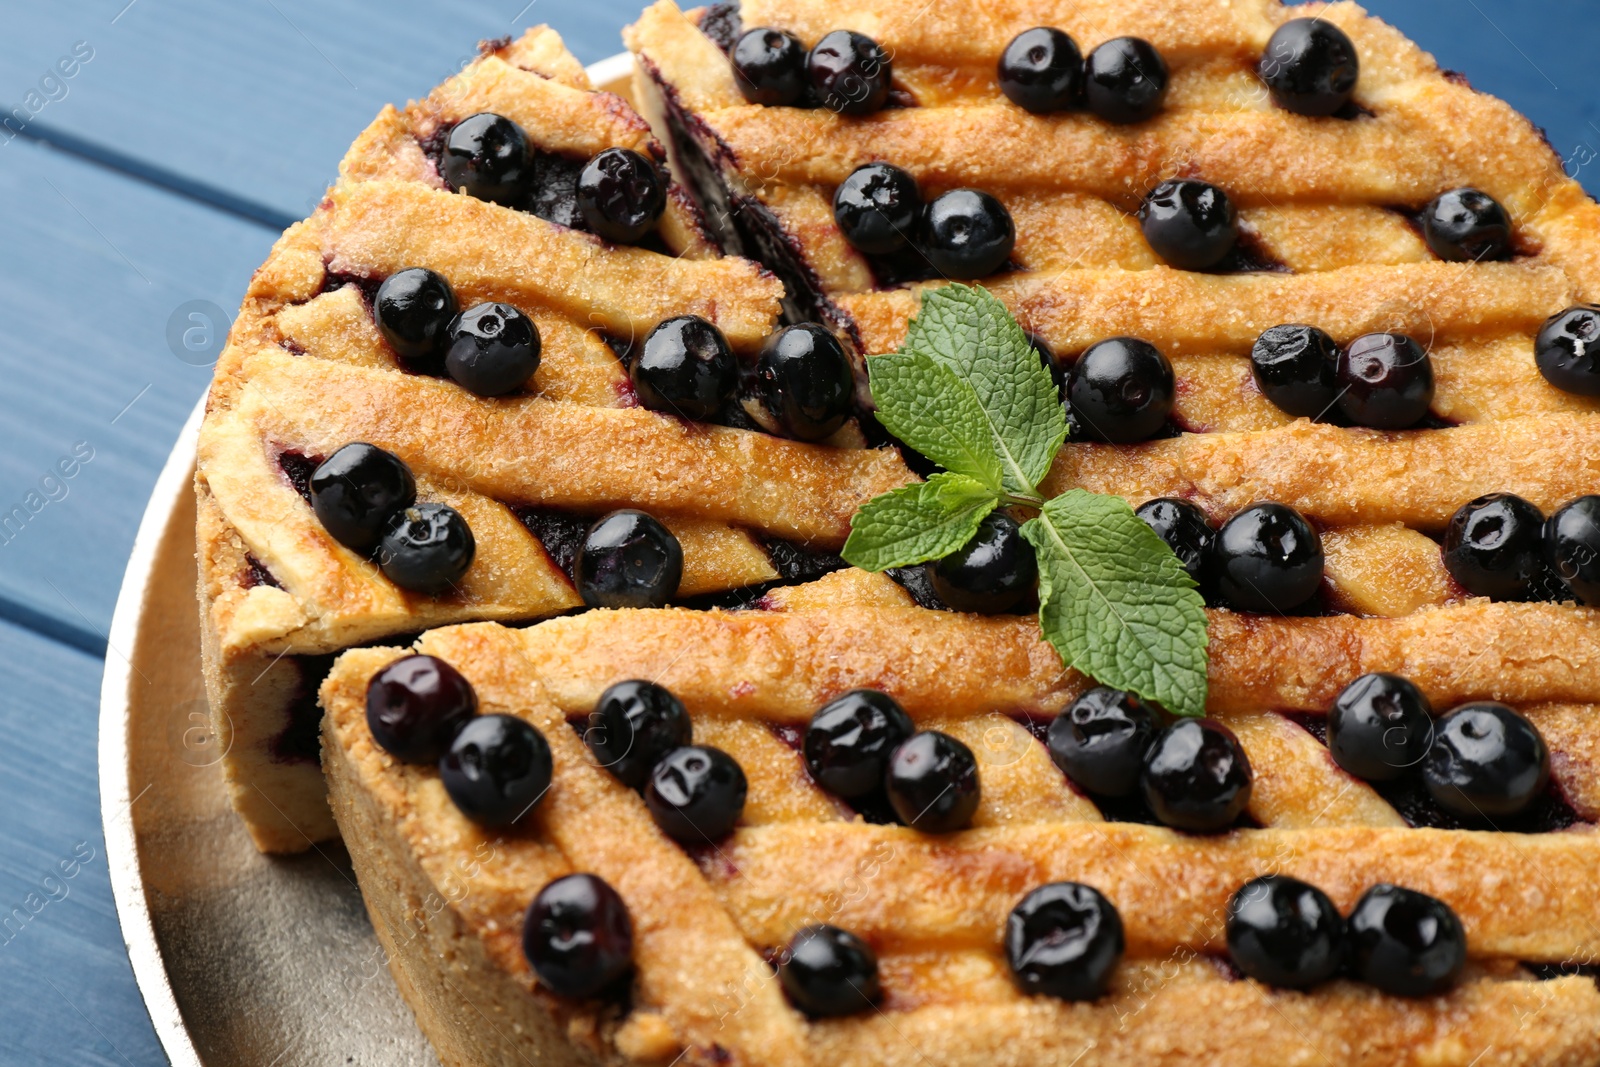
(64, 974)
(92, 393)
(258, 100)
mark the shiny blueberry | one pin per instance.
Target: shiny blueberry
(633, 725)
(827, 971)
(1567, 351)
(1385, 381)
(848, 744)
(1486, 761)
(1121, 390)
(1185, 530)
(1125, 80)
(357, 490)
(486, 156)
(1284, 932)
(1042, 70)
(416, 706)
(1101, 740)
(1494, 545)
(1572, 547)
(414, 308)
(1380, 727)
(620, 195)
(803, 383)
(685, 368)
(877, 208)
(497, 769)
(1405, 943)
(1467, 226)
(1267, 558)
(1296, 367)
(1063, 940)
(769, 66)
(1190, 224)
(696, 793)
(849, 73)
(992, 573)
(1310, 66)
(933, 783)
(578, 936)
(494, 349)
(967, 234)
(426, 548)
(1196, 776)
(628, 560)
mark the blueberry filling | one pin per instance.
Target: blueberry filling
(254, 574)
(298, 468)
(560, 532)
(796, 562)
(721, 23)
(301, 739)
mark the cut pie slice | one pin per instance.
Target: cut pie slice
(308, 371)
(711, 921)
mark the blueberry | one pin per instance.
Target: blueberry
(1467, 226)
(1101, 740)
(1190, 224)
(1380, 727)
(1385, 381)
(357, 490)
(633, 725)
(849, 73)
(769, 66)
(848, 744)
(1196, 776)
(1405, 943)
(1121, 390)
(578, 936)
(1486, 761)
(803, 383)
(1042, 70)
(1184, 529)
(628, 560)
(685, 368)
(877, 208)
(827, 971)
(992, 573)
(414, 308)
(1567, 351)
(426, 548)
(1572, 547)
(620, 195)
(416, 706)
(1493, 546)
(497, 769)
(486, 156)
(696, 793)
(1310, 66)
(933, 783)
(1063, 940)
(1267, 558)
(967, 234)
(1284, 932)
(1296, 367)
(494, 349)
(1125, 80)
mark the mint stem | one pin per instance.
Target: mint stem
(1034, 501)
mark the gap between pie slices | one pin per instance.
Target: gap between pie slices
(1325, 206)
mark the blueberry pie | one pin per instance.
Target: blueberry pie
(480, 382)
(1326, 317)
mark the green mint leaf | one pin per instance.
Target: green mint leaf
(967, 330)
(1116, 603)
(916, 523)
(931, 408)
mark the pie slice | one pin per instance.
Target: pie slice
(596, 927)
(308, 371)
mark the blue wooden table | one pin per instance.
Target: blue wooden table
(153, 151)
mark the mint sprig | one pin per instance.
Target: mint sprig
(968, 392)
